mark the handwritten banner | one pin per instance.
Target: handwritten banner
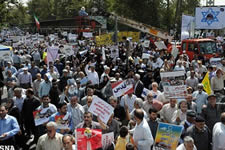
(175, 91)
(107, 140)
(101, 109)
(167, 136)
(122, 87)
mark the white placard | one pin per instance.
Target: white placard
(122, 87)
(175, 91)
(216, 61)
(175, 51)
(145, 56)
(88, 34)
(68, 50)
(160, 45)
(101, 109)
(107, 140)
(52, 54)
(146, 43)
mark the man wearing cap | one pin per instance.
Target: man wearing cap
(11, 68)
(200, 133)
(189, 121)
(25, 79)
(217, 82)
(45, 87)
(211, 112)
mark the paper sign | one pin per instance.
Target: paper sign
(42, 116)
(68, 50)
(88, 34)
(62, 121)
(175, 51)
(216, 61)
(174, 78)
(160, 45)
(52, 54)
(175, 91)
(146, 43)
(167, 136)
(145, 56)
(122, 87)
(145, 92)
(107, 140)
(101, 109)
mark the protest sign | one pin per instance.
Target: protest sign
(68, 50)
(175, 51)
(101, 109)
(173, 78)
(122, 87)
(42, 116)
(88, 139)
(62, 121)
(160, 45)
(167, 136)
(146, 43)
(145, 56)
(145, 92)
(175, 91)
(216, 62)
(107, 140)
(52, 54)
(114, 51)
(105, 39)
(88, 34)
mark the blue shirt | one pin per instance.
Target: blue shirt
(12, 69)
(10, 126)
(44, 88)
(201, 99)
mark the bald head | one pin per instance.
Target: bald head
(222, 118)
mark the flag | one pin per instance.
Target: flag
(206, 84)
(37, 22)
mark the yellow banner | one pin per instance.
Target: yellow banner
(106, 39)
(206, 84)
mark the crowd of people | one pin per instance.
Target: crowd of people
(67, 86)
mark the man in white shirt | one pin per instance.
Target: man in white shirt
(219, 134)
(92, 74)
(128, 100)
(105, 73)
(76, 111)
(167, 111)
(142, 135)
(51, 140)
(187, 145)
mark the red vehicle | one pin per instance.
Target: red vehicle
(192, 47)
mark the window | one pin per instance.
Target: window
(184, 46)
(191, 47)
(207, 47)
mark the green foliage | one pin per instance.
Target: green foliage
(158, 13)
